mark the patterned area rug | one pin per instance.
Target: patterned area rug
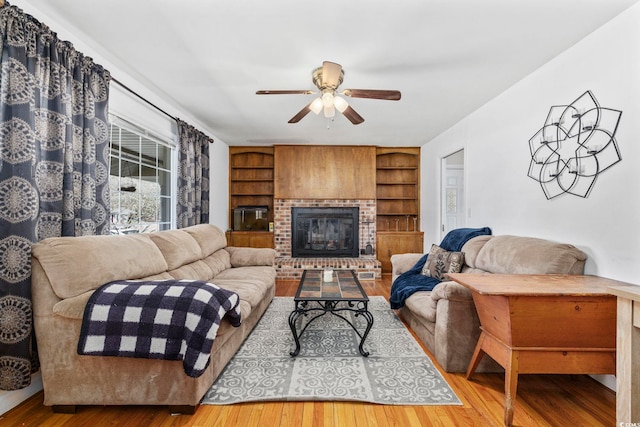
(329, 366)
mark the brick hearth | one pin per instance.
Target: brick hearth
(291, 268)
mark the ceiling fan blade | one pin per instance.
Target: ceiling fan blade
(331, 74)
(391, 95)
(301, 114)
(352, 115)
(284, 92)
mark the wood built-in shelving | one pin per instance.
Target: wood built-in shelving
(250, 178)
(398, 203)
(397, 181)
(397, 188)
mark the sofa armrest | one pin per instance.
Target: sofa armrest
(403, 262)
(246, 257)
(451, 291)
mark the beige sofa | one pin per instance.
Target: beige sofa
(67, 270)
(445, 319)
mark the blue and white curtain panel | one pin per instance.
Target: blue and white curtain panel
(54, 176)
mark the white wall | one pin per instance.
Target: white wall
(219, 182)
(606, 225)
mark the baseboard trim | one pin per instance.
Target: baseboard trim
(11, 399)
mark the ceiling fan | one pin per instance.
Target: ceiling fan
(327, 79)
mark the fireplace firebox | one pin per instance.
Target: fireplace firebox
(324, 232)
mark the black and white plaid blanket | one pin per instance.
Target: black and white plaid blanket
(164, 319)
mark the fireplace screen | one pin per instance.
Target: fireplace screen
(324, 232)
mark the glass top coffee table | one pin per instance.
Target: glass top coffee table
(339, 296)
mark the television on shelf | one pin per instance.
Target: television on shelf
(250, 218)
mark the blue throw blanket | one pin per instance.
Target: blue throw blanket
(164, 319)
(413, 280)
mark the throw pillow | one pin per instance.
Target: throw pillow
(440, 262)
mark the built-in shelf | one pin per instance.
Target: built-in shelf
(251, 184)
(397, 184)
(397, 203)
(396, 167)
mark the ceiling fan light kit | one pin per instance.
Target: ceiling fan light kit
(327, 104)
(316, 105)
(340, 103)
(327, 79)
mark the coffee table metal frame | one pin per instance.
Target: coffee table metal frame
(355, 301)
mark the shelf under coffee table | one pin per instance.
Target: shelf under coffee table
(317, 297)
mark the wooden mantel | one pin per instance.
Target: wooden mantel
(324, 172)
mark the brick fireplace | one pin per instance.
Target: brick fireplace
(365, 265)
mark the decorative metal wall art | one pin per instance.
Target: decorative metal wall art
(575, 145)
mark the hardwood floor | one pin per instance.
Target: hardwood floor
(542, 400)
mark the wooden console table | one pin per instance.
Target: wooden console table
(543, 324)
(628, 360)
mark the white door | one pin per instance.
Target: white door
(452, 191)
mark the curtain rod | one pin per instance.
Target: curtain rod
(141, 97)
(145, 99)
(113, 79)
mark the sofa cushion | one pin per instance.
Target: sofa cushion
(209, 237)
(218, 261)
(422, 306)
(241, 257)
(96, 260)
(472, 248)
(198, 270)
(440, 262)
(73, 308)
(250, 283)
(529, 255)
(177, 247)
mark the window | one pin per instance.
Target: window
(140, 179)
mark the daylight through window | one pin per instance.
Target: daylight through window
(139, 180)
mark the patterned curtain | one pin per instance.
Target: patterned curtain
(193, 176)
(53, 167)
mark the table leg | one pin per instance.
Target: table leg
(510, 386)
(332, 308)
(293, 317)
(477, 356)
(369, 317)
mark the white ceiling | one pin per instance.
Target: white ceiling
(206, 59)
